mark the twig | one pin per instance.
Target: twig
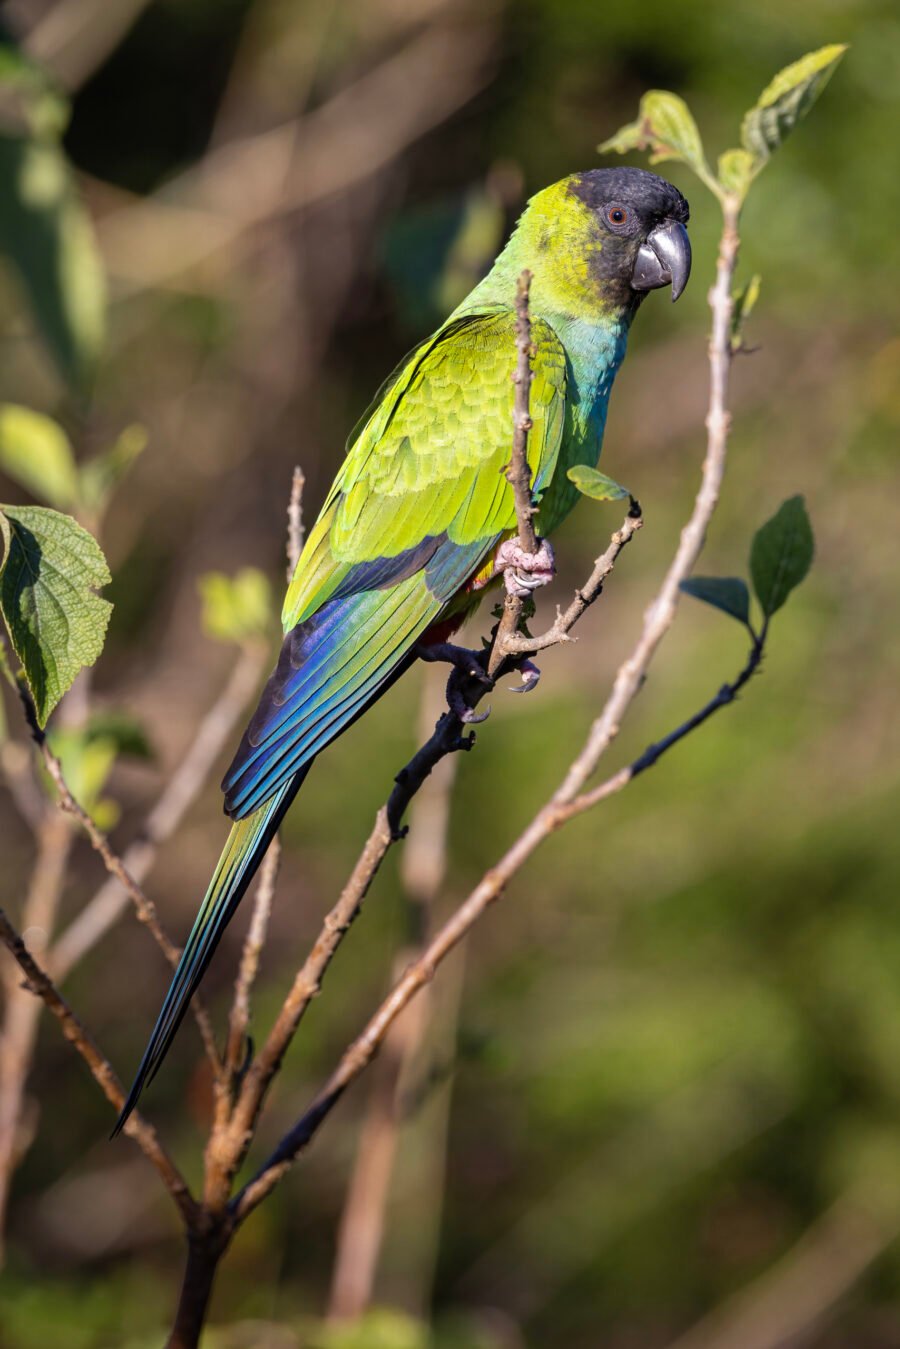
(295, 522)
(785, 1304)
(22, 1012)
(556, 811)
(144, 907)
(364, 1216)
(111, 900)
(518, 474)
(136, 1127)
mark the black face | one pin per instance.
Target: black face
(642, 219)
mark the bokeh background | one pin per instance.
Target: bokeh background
(665, 1104)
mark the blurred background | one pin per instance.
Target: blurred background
(661, 1096)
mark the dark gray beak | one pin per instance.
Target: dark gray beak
(664, 260)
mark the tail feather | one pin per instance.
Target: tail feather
(246, 846)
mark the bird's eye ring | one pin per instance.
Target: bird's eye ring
(617, 215)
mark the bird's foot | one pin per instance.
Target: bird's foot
(524, 572)
(531, 676)
(466, 663)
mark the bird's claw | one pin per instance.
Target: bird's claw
(531, 677)
(463, 660)
(523, 573)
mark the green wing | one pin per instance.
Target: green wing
(420, 502)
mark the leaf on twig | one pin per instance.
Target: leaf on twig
(239, 608)
(781, 554)
(787, 100)
(35, 452)
(51, 569)
(728, 593)
(596, 485)
(665, 127)
(744, 304)
(736, 171)
(88, 755)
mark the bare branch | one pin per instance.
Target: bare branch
(143, 907)
(144, 1134)
(111, 900)
(295, 522)
(557, 810)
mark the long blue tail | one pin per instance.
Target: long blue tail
(241, 856)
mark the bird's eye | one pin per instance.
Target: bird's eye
(617, 215)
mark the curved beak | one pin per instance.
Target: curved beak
(664, 260)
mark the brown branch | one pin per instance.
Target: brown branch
(143, 907)
(111, 900)
(364, 1217)
(295, 522)
(40, 984)
(518, 474)
(556, 811)
(18, 1035)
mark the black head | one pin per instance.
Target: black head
(641, 221)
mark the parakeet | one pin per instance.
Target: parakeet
(421, 518)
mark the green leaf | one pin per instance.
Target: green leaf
(35, 452)
(667, 129)
(101, 475)
(728, 593)
(592, 483)
(736, 170)
(47, 235)
(239, 608)
(57, 624)
(744, 304)
(87, 761)
(781, 554)
(126, 733)
(28, 101)
(788, 99)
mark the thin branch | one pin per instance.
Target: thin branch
(111, 900)
(556, 811)
(518, 474)
(144, 1134)
(144, 907)
(295, 522)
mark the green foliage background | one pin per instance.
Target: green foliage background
(678, 1037)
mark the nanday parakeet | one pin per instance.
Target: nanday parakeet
(421, 515)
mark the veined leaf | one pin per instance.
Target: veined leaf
(35, 452)
(57, 624)
(781, 554)
(728, 593)
(736, 170)
(592, 483)
(237, 608)
(744, 304)
(665, 127)
(788, 99)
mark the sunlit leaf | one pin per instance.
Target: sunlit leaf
(728, 593)
(56, 622)
(596, 485)
(781, 554)
(35, 452)
(665, 127)
(788, 99)
(736, 169)
(237, 608)
(744, 304)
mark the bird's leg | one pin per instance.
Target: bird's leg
(467, 665)
(463, 660)
(530, 677)
(524, 572)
